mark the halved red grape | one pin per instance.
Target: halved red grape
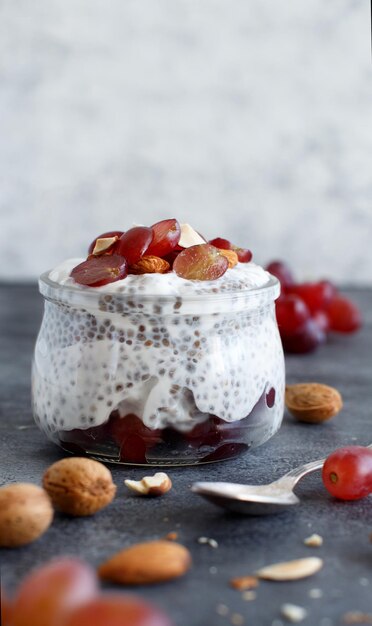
(347, 473)
(166, 237)
(53, 590)
(282, 273)
(134, 243)
(316, 295)
(100, 270)
(244, 255)
(344, 316)
(117, 610)
(202, 262)
(111, 233)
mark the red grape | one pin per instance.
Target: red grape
(117, 610)
(316, 295)
(344, 316)
(322, 320)
(282, 273)
(304, 340)
(291, 314)
(5, 610)
(166, 237)
(347, 473)
(49, 592)
(111, 233)
(244, 255)
(134, 243)
(222, 244)
(202, 262)
(100, 270)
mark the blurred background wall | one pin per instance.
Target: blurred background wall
(251, 119)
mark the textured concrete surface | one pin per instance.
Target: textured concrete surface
(244, 543)
(250, 119)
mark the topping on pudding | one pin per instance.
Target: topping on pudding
(165, 247)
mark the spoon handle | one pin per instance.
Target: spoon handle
(293, 476)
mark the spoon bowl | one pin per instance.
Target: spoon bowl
(275, 497)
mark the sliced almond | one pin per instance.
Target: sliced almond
(291, 570)
(155, 485)
(244, 582)
(189, 237)
(293, 613)
(314, 541)
(231, 256)
(312, 402)
(104, 244)
(150, 264)
(146, 563)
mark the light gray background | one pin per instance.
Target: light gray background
(249, 118)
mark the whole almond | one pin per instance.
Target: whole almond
(312, 402)
(231, 256)
(291, 570)
(146, 563)
(26, 512)
(150, 265)
(79, 486)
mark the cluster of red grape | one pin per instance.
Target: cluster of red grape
(307, 312)
(111, 255)
(65, 593)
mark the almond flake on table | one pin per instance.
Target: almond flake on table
(291, 570)
(293, 613)
(237, 619)
(357, 617)
(222, 610)
(249, 595)
(314, 541)
(244, 582)
(208, 541)
(315, 593)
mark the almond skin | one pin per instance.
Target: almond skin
(231, 256)
(150, 265)
(79, 486)
(147, 563)
(312, 402)
(26, 512)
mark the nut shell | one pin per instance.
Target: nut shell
(26, 513)
(145, 563)
(79, 486)
(312, 402)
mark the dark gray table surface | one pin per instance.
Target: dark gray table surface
(245, 544)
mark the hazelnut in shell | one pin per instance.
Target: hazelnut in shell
(79, 486)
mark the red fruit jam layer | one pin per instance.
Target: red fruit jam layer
(127, 440)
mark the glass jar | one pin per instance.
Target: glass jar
(158, 380)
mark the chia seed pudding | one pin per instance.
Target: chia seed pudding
(159, 370)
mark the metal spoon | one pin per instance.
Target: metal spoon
(257, 499)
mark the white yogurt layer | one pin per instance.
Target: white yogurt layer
(242, 276)
(170, 369)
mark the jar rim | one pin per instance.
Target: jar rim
(90, 297)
